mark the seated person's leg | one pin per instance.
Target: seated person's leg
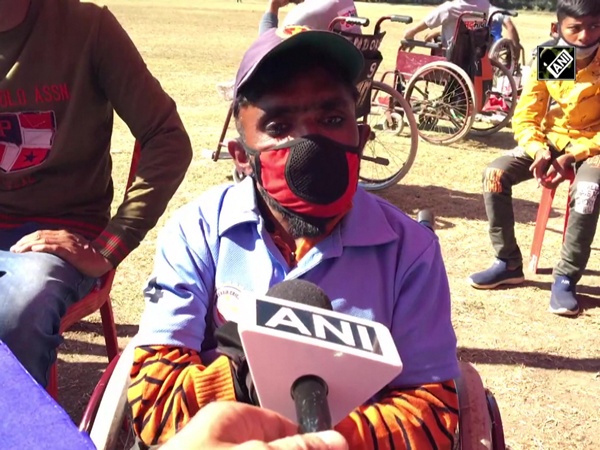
(37, 289)
(498, 179)
(581, 228)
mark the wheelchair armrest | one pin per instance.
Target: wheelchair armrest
(415, 43)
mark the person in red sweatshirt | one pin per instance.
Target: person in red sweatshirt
(65, 68)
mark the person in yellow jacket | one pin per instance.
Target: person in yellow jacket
(553, 140)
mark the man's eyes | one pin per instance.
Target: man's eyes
(334, 120)
(578, 28)
(281, 128)
(275, 129)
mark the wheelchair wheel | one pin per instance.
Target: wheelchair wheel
(392, 147)
(475, 424)
(440, 96)
(506, 53)
(499, 103)
(107, 417)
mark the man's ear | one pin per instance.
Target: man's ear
(240, 157)
(364, 134)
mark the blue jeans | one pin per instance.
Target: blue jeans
(35, 291)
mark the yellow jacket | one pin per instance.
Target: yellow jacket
(574, 119)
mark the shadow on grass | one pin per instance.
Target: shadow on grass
(587, 296)
(447, 204)
(77, 379)
(528, 359)
(498, 141)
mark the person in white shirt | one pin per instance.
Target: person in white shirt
(446, 15)
(314, 14)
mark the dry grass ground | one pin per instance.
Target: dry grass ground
(544, 370)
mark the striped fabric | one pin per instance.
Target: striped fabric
(170, 384)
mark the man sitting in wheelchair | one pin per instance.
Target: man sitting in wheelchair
(295, 102)
(499, 23)
(314, 14)
(446, 15)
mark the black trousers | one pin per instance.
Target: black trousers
(507, 171)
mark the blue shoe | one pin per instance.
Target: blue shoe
(497, 275)
(563, 300)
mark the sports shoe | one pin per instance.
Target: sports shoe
(563, 300)
(498, 274)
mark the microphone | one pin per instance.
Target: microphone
(301, 291)
(309, 363)
(309, 391)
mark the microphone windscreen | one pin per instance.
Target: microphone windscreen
(301, 291)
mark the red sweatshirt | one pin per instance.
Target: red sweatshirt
(62, 73)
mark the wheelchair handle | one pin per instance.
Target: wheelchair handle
(402, 19)
(361, 21)
(415, 43)
(477, 14)
(393, 18)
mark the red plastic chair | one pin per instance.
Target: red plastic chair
(541, 223)
(98, 299)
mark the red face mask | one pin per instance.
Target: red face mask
(312, 176)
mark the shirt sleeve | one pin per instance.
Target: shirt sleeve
(268, 21)
(152, 117)
(168, 387)
(438, 16)
(529, 114)
(418, 418)
(583, 148)
(180, 291)
(421, 322)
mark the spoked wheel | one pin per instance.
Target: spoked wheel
(498, 104)
(440, 96)
(506, 53)
(392, 146)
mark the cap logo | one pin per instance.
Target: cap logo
(290, 31)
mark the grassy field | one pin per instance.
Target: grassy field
(544, 370)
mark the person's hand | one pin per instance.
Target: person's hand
(230, 345)
(540, 165)
(408, 35)
(432, 36)
(558, 171)
(275, 5)
(238, 426)
(71, 247)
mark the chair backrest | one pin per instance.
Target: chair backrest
(469, 50)
(470, 43)
(369, 45)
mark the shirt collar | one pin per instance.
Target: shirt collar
(366, 224)
(239, 206)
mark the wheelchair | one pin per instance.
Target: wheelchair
(107, 418)
(457, 90)
(392, 146)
